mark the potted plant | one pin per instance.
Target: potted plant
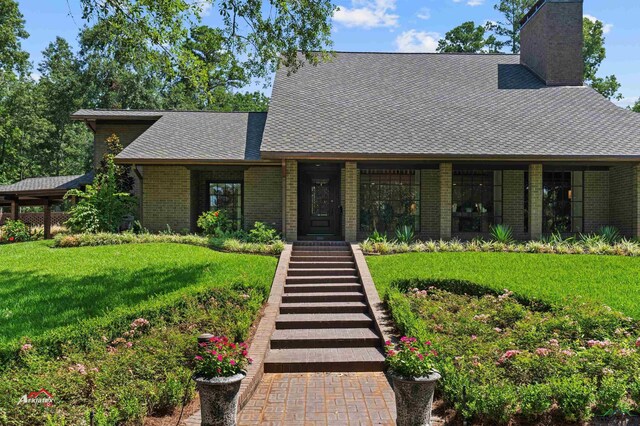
(219, 369)
(411, 366)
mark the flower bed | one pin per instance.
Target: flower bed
(505, 358)
(598, 247)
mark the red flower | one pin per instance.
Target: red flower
(216, 214)
(11, 239)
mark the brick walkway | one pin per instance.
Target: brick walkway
(321, 399)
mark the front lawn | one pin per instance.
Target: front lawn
(110, 331)
(613, 281)
(44, 289)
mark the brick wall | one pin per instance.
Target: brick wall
(596, 200)
(263, 196)
(624, 208)
(513, 202)
(446, 182)
(167, 198)
(200, 188)
(535, 201)
(291, 200)
(351, 201)
(429, 204)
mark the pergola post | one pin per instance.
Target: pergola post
(15, 209)
(47, 219)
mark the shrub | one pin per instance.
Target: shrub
(14, 231)
(609, 234)
(106, 239)
(535, 400)
(101, 206)
(575, 396)
(497, 403)
(214, 223)
(262, 234)
(377, 237)
(611, 396)
(502, 234)
(405, 234)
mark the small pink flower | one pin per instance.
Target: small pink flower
(638, 343)
(498, 330)
(554, 342)
(388, 343)
(129, 344)
(26, 347)
(219, 357)
(542, 351)
(232, 362)
(199, 358)
(567, 352)
(474, 337)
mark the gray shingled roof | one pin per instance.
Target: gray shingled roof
(441, 105)
(116, 114)
(203, 136)
(47, 184)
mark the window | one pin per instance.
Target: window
(562, 202)
(389, 199)
(476, 200)
(227, 197)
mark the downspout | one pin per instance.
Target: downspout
(141, 202)
(284, 198)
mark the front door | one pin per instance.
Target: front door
(319, 202)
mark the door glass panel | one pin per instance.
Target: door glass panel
(320, 197)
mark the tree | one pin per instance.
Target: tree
(636, 107)
(594, 53)
(259, 34)
(467, 38)
(122, 173)
(69, 144)
(12, 57)
(513, 11)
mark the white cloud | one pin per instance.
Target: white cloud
(367, 14)
(471, 2)
(606, 28)
(414, 41)
(204, 6)
(424, 13)
(627, 102)
(36, 76)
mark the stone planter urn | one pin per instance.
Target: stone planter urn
(219, 399)
(414, 399)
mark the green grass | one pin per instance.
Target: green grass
(45, 290)
(610, 280)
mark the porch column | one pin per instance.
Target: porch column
(15, 209)
(47, 220)
(291, 200)
(535, 201)
(351, 201)
(446, 181)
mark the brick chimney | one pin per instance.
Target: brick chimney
(551, 42)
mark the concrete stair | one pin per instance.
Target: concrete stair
(324, 323)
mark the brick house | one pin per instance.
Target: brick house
(448, 144)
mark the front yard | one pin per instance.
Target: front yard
(111, 329)
(551, 352)
(610, 280)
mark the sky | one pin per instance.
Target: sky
(389, 26)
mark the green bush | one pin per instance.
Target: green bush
(575, 396)
(107, 239)
(405, 234)
(15, 231)
(611, 396)
(502, 234)
(262, 233)
(497, 403)
(215, 223)
(535, 400)
(101, 207)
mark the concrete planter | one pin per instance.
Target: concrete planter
(219, 399)
(414, 398)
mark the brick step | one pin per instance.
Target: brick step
(323, 307)
(320, 243)
(313, 258)
(324, 360)
(296, 253)
(326, 279)
(321, 265)
(322, 248)
(324, 338)
(316, 272)
(322, 297)
(301, 321)
(323, 288)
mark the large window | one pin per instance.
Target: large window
(562, 202)
(389, 199)
(476, 200)
(227, 197)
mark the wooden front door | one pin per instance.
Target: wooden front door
(319, 212)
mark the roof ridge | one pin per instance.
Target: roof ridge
(360, 52)
(169, 110)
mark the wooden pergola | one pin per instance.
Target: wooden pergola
(40, 192)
